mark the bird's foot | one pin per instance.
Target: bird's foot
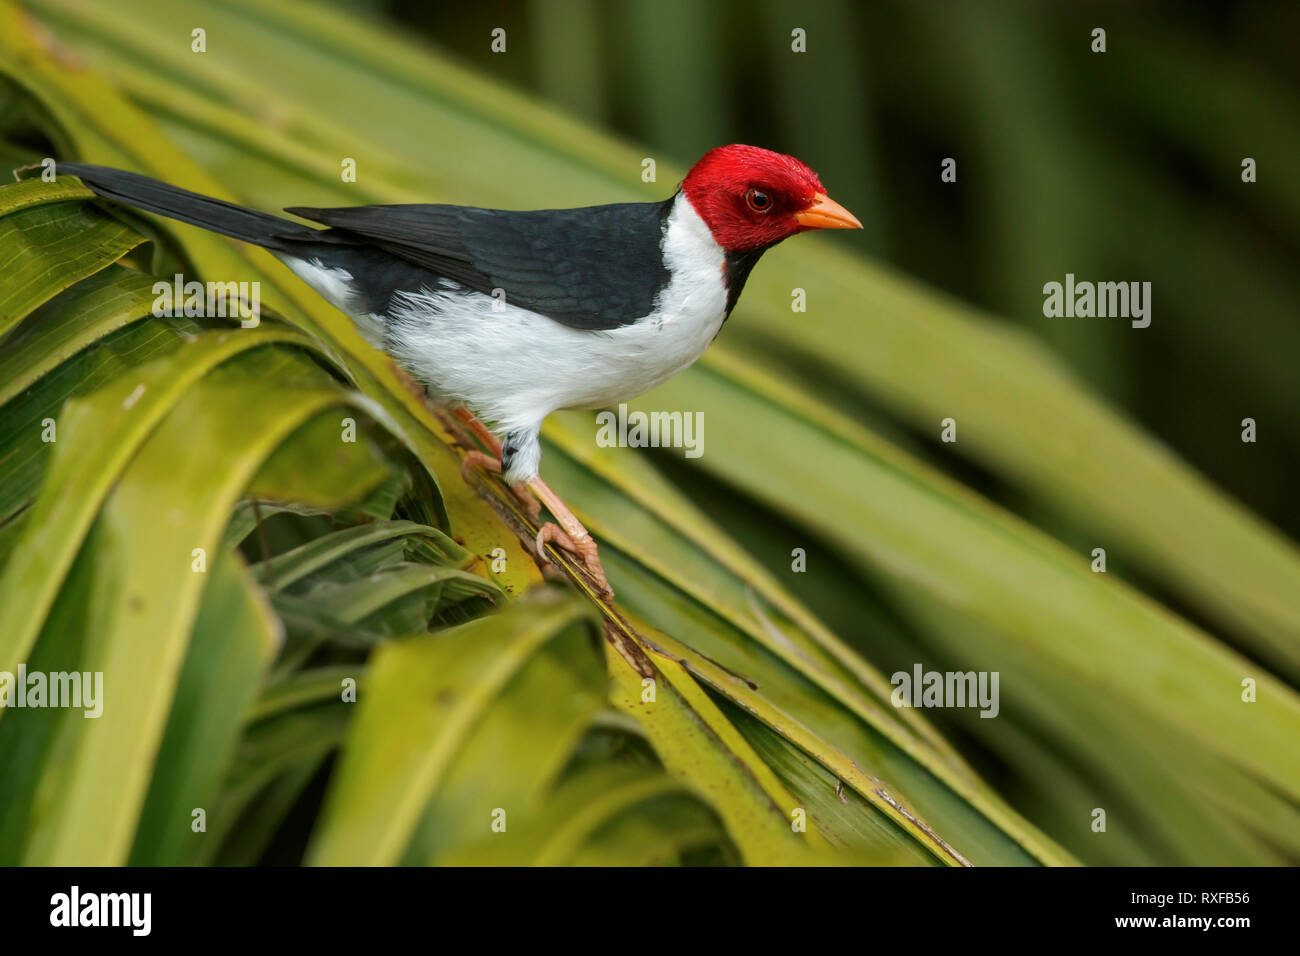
(584, 549)
(566, 531)
(570, 535)
(477, 459)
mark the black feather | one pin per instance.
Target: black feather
(594, 268)
(226, 218)
(739, 265)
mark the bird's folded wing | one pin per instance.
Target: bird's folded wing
(593, 268)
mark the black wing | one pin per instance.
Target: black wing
(594, 268)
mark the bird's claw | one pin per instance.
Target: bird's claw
(577, 542)
(584, 549)
(479, 459)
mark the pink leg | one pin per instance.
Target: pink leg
(570, 535)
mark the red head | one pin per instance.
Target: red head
(751, 197)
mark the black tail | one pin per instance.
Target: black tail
(155, 196)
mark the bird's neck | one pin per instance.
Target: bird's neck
(688, 229)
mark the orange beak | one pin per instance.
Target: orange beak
(826, 213)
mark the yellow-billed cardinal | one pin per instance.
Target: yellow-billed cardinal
(515, 314)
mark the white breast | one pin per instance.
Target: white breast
(513, 367)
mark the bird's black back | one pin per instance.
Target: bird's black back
(594, 268)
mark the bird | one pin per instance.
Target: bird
(505, 316)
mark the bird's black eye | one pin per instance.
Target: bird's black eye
(758, 200)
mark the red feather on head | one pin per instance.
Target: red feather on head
(748, 196)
